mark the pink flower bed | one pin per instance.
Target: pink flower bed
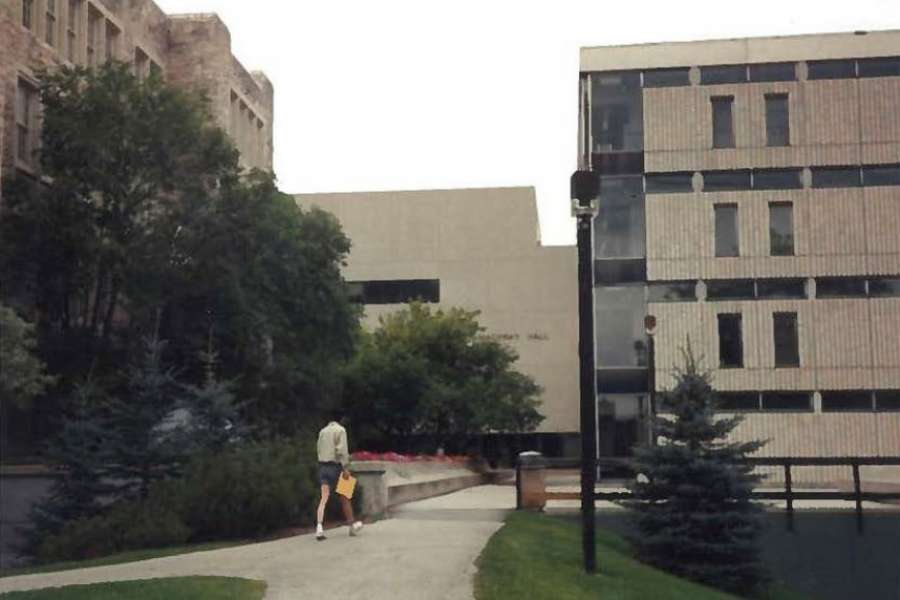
(401, 458)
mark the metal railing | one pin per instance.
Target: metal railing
(788, 495)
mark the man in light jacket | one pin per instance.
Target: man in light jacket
(334, 462)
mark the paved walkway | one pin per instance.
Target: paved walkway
(426, 551)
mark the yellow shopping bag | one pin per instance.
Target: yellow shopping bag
(345, 486)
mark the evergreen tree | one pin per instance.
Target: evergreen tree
(693, 510)
(77, 454)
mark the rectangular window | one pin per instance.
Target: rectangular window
(667, 77)
(26, 123)
(50, 24)
(887, 66)
(669, 183)
(141, 64)
(617, 122)
(738, 401)
(730, 289)
(28, 14)
(723, 74)
(840, 287)
(884, 287)
(112, 42)
(727, 238)
(619, 224)
(72, 30)
(622, 270)
(776, 289)
(847, 401)
(672, 291)
(731, 344)
(778, 127)
(832, 69)
(95, 23)
(887, 400)
(773, 72)
(785, 335)
(722, 121)
(726, 181)
(777, 179)
(787, 401)
(619, 327)
(878, 175)
(835, 177)
(395, 291)
(781, 228)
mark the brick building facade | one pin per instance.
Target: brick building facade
(190, 50)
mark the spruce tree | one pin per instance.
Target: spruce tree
(693, 511)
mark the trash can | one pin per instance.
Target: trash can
(531, 481)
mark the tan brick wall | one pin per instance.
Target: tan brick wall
(482, 246)
(192, 50)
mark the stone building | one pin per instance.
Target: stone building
(750, 201)
(190, 50)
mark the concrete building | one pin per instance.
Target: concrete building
(477, 249)
(190, 50)
(750, 201)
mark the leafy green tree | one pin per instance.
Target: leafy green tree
(22, 375)
(693, 510)
(425, 372)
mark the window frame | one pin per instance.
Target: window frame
(786, 342)
(722, 122)
(726, 208)
(723, 321)
(778, 134)
(778, 206)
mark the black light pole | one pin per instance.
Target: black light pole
(585, 189)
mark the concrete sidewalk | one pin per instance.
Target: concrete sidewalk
(427, 550)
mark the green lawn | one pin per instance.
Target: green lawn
(172, 588)
(539, 557)
(115, 559)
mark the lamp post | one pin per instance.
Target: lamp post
(585, 187)
(650, 328)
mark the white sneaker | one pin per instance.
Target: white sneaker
(320, 533)
(356, 528)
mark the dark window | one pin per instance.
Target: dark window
(727, 237)
(28, 14)
(884, 286)
(738, 401)
(778, 121)
(722, 122)
(731, 344)
(669, 183)
(777, 179)
(667, 77)
(840, 287)
(612, 272)
(846, 400)
(787, 344)
(832, 69)
(773, 72)
(730, 289)
(835, 177)
(781, 288)
(619, 224)
(617, 112)
(723, 74)
(726, 181)
(786, 401)
(622, 381)
(618, 163)
(888, 66)
(781, 229)
(876, 175)
(887, 400)
(621, 340)
(672, 291)
(394, 291)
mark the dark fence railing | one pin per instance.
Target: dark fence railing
(788, 495)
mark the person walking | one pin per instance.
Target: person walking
(334, 460)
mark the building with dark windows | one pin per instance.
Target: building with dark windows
(476, 249)
(189, 50)
(750, 202)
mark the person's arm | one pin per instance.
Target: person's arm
(341, 451)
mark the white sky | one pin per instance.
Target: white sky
(416, 94)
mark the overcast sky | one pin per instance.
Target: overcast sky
(419, 94)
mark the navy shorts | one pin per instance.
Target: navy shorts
(329, 472)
